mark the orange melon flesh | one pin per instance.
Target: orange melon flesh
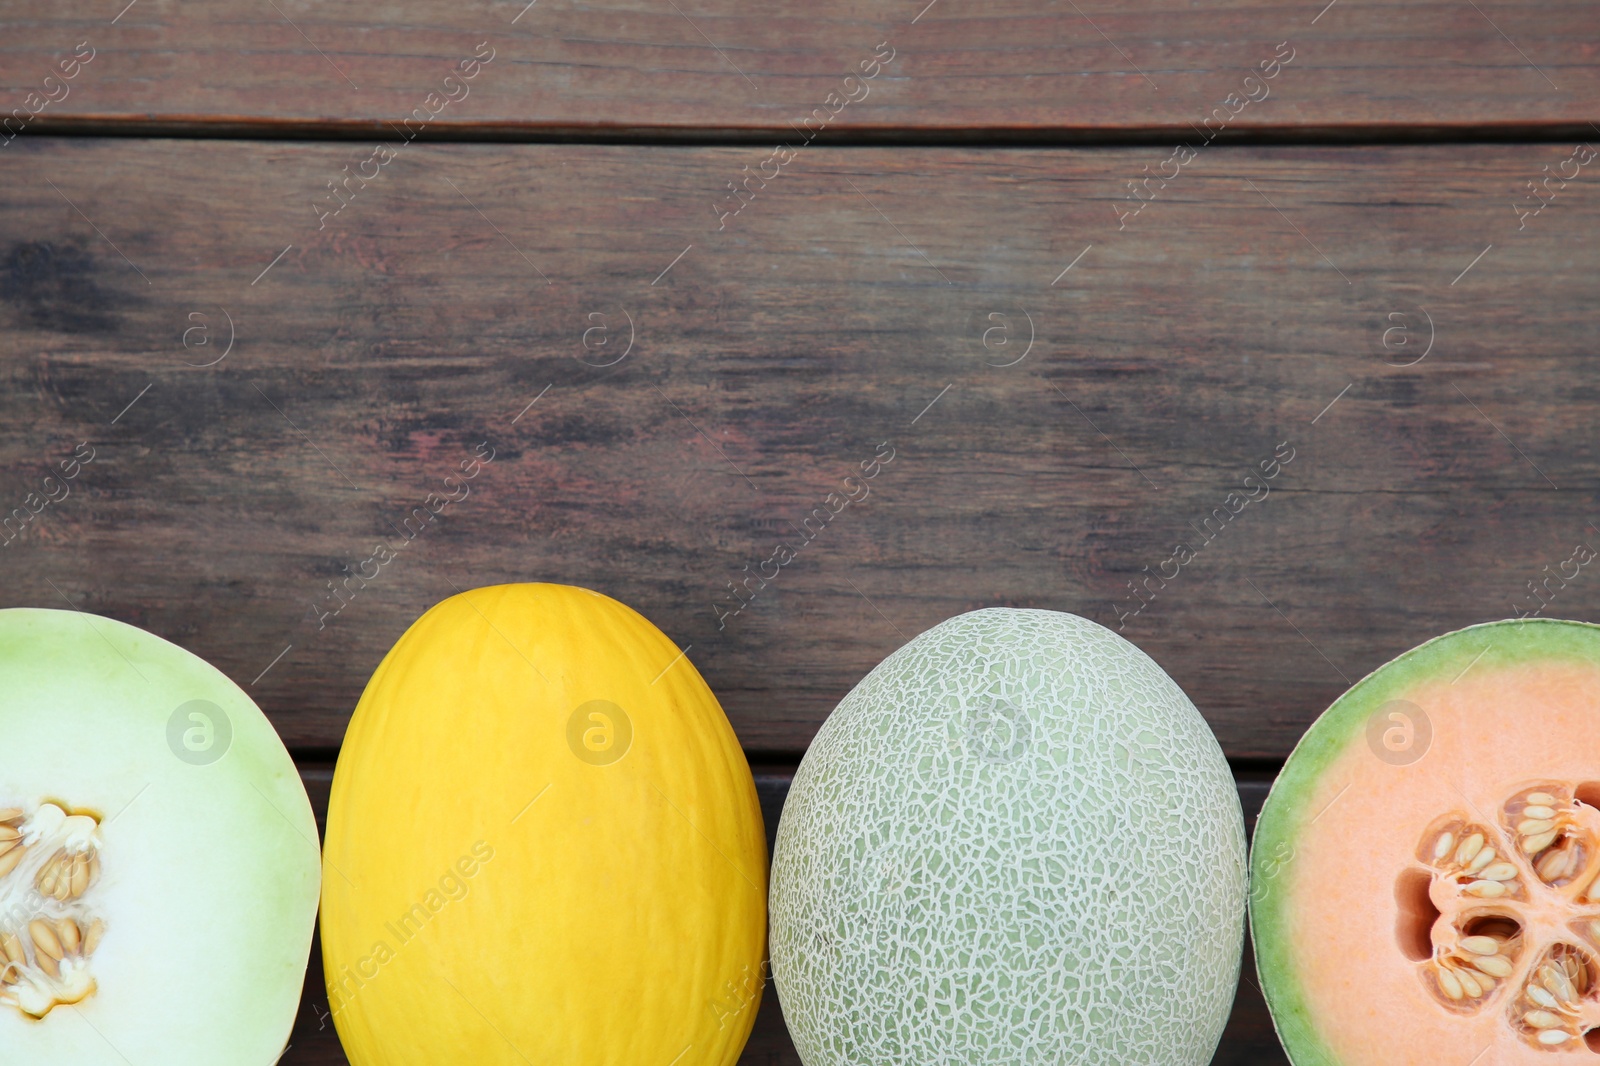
(1384, 933)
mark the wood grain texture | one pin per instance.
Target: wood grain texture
(1249, 1039)
(1100, 68)
(866, 296)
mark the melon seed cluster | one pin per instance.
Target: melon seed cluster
(1537, 868)
(1550, 1007)
(49, 860)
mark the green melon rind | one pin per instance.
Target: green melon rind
(1505, 643)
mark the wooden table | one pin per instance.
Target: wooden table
(681, 266)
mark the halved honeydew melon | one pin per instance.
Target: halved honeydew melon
(158, 856)
(1426, 870)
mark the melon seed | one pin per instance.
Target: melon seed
(1469, 847)
(1541, 799)
(1558, 984)
(1541, 997)
(91, 939)
(1555, 865)
(1541, 1019)
(1494, 965)
(1442, 847)
(68, 933)
(45, 882)
(10, 859)
(10, 814)
(1481, 945)
(1535, 826)
(1538, 810)
(1486, 889)
(1469, 983)
(44, 938)
(1534, 844)
(1553, 1037)
(1480, 860)
(1451, 986)
(1500, 871)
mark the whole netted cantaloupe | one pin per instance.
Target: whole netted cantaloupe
(543, 846)
(1015, 841)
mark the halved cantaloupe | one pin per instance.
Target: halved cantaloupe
(1424, 872)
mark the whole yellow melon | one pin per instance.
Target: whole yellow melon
(543, 846)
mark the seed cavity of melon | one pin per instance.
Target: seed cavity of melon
(49, 863)
(1518, 907)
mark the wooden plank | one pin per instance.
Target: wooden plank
(1249, 1037)
(1011, 68)
(864, 306)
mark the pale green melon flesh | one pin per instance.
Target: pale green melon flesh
(209, 870)
(1015, 841)
(1344, 729)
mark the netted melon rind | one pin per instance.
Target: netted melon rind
(1015, 841)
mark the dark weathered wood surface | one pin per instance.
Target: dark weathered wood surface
(1098, 68)
(1249, 1038)
(473, 293)
(866, 296)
